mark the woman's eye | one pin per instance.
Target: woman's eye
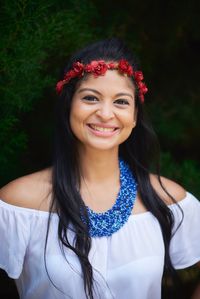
(90, 98)
(122, 102)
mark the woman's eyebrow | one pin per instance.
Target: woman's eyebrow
(96, 91)
(89, 89)
(124, 94)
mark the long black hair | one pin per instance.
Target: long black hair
(140, 151)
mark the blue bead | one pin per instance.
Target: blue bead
(107, 223)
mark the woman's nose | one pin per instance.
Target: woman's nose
(105, 111)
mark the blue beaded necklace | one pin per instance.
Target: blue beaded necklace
(107, 223)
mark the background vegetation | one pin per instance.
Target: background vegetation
(36, 38)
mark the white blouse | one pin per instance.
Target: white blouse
(128, 264)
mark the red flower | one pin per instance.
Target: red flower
(59, 86)
(112, 65)
(138, 75)
(141, 97)
(96, 67)
(125, 67)
(88, 68)
(142, 90)
(69, 75)
(142, 87)
(78, 68)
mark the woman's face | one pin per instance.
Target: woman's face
(103, 111)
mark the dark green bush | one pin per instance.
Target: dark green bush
(36, 38)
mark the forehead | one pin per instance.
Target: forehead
(112, 81)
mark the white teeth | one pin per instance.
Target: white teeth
(102, 129)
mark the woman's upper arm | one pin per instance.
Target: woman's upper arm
(174, 189)
(30, 191)
(14, 192)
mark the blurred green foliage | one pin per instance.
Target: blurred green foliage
(36, 38)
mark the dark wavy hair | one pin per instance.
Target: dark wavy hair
(140, 151)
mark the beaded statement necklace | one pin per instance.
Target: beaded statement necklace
(107, 223)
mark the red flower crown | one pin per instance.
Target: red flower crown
(99, 68)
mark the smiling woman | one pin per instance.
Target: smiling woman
(103, 111)
(98, 222)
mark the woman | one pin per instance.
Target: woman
(113, 226)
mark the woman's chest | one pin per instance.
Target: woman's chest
(133, 254)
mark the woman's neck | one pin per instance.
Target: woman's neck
(98, 166)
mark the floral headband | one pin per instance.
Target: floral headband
(99, 68)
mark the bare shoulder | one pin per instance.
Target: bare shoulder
(173, 188)
(30, 191)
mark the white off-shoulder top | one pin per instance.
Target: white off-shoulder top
(128, 264)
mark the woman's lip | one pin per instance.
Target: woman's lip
(103, 126)
(103, 133)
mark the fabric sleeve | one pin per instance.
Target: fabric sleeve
(14, 237)
(185, 244)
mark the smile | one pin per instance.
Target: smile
(107, 131)
(102, 129)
